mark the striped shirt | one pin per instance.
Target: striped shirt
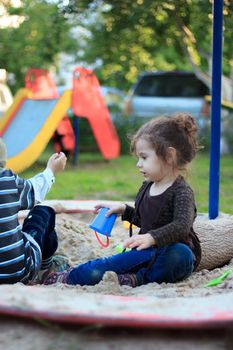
(19, 255)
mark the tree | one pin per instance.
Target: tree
(128, 37)
(43, 33)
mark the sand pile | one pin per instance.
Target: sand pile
(78, 241)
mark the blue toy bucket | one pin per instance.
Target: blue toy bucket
(103, 225)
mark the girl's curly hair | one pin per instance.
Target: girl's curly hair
(178, 131)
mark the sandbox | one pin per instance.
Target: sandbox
(187, 304)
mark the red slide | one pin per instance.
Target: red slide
(88, 102)
(64, 138)
(41, 84)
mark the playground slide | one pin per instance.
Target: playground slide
(64, 138)
(29, 124)
(88, 102)
(38, 109)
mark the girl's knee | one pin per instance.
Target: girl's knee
(83, 275)
(180, 261)
(95, 276)
(180, 252)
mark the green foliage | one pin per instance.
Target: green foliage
(128, 37)
(37, 41)
(125, 127)
(86, 139)
(119, 38)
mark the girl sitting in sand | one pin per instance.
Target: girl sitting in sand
(166, 248)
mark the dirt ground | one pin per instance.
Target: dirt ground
(40, 335)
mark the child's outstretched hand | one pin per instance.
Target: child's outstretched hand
(113, 208)
(139, 241)
(57, 162)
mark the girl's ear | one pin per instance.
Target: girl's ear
(171, 155)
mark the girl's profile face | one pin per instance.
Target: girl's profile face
(149, 164)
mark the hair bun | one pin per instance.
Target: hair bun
(187, 122)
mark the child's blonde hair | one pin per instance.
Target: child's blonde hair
(178, 131)
(3, 154)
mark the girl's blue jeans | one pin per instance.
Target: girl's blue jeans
(169, 264)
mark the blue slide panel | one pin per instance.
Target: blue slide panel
(26, 124)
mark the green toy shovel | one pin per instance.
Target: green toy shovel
(219, 279)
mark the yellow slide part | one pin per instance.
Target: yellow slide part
(224, 103)
(30, 154)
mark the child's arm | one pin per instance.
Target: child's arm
(42, 182)
(125, 210)
(113, 208)
(57, 162)
(139, 241)
(179, 228)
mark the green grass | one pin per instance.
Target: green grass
(119, 179)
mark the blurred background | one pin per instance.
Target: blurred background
(151, 57)
(120, 40)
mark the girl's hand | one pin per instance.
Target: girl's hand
(113, 208)
(57, 162)
(140, 241)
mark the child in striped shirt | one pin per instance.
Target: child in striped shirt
(26, 252)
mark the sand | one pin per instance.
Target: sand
(78, 242)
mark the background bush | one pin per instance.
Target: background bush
(124, 125)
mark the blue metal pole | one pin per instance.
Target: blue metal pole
(215, 133)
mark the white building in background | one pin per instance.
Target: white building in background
(64, 73)
(13, 21)
(6, 97)
(67, 63)
(7, 20)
